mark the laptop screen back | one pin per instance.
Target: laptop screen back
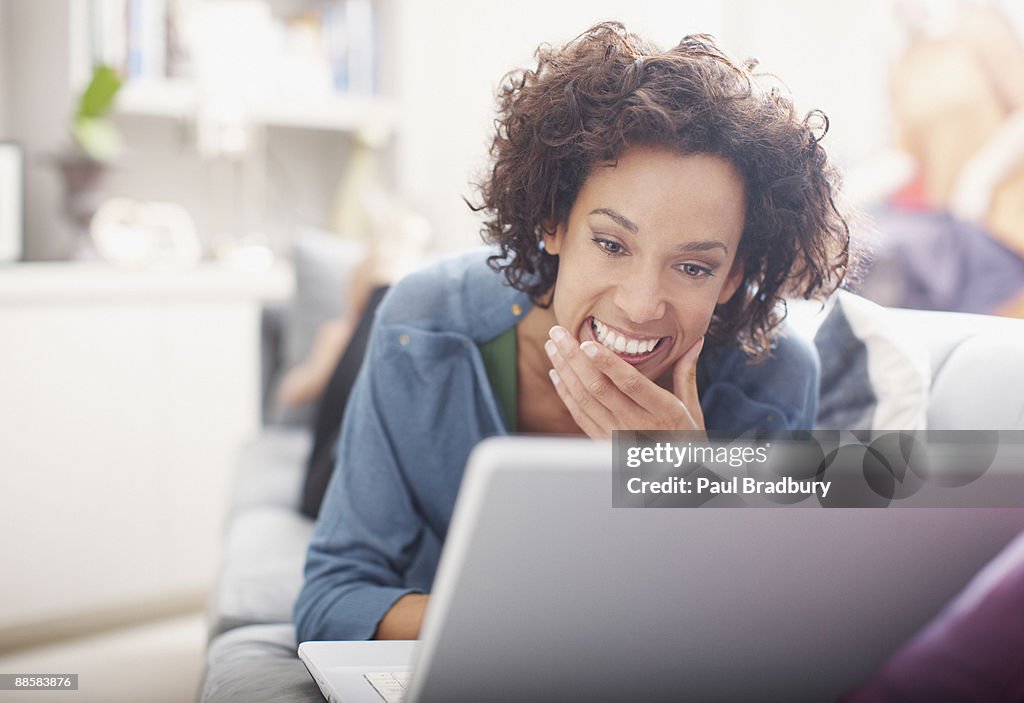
(546, 592)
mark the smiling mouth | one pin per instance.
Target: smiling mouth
(632, 349)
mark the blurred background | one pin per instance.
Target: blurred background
(197, 195)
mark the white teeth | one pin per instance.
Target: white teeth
(619, 343)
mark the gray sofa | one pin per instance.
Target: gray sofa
(970, 368)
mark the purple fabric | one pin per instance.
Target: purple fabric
(932, 261)
(973, 651)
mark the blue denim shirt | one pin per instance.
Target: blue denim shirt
(422, 401)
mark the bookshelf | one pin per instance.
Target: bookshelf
(248, 113)
(303, 65)
(179, 99)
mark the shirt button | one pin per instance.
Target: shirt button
(404, 340)
(517, 310)
(770, 419)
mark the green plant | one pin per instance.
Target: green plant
(93, 132)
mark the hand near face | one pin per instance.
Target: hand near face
(604, 393)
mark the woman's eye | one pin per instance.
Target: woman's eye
(695, 270)
(608, 246)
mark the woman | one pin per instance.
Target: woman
(650, 209)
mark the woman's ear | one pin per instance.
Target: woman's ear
(553, 238)
(732, 282)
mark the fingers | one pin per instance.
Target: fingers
(592, 381)
(658, 403)
(580, 391)
(684, 377)
(591, 428)
(604, 393)
(633, 384)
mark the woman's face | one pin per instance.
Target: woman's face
(647, 253)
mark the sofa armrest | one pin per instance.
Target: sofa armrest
(266, 537)
(975, 359)
(980, 386)
(942, 332)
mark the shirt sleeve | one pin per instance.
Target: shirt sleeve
(777, 393)
(368, 529)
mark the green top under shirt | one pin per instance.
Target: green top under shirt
(499, 356)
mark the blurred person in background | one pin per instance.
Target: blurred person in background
(396, 243)
(952, 238)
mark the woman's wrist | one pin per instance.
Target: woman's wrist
(403, 620)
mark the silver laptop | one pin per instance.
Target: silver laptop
(545, 592)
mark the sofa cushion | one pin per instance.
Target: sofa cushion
(970, 652)
(255, 664)
(261, 570)
(873, 375)
(324, 264)
(269, 469)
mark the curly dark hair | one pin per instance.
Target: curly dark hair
(587, 102)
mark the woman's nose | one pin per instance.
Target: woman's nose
(641, 297)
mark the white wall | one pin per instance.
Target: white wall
(4, 102)
(38, 86)
(453, 55)
(833, 56)
(454, 52)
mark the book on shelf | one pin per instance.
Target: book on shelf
(148, 41)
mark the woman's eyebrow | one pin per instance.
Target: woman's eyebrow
(623, 221)
(705, 245)
(619, 218)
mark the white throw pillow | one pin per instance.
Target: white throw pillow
(875, 375)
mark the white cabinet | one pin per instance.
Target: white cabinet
(124, 397)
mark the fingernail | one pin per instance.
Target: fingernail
(554, 377)
(590, 349)
(550, 348)
(557, 333)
